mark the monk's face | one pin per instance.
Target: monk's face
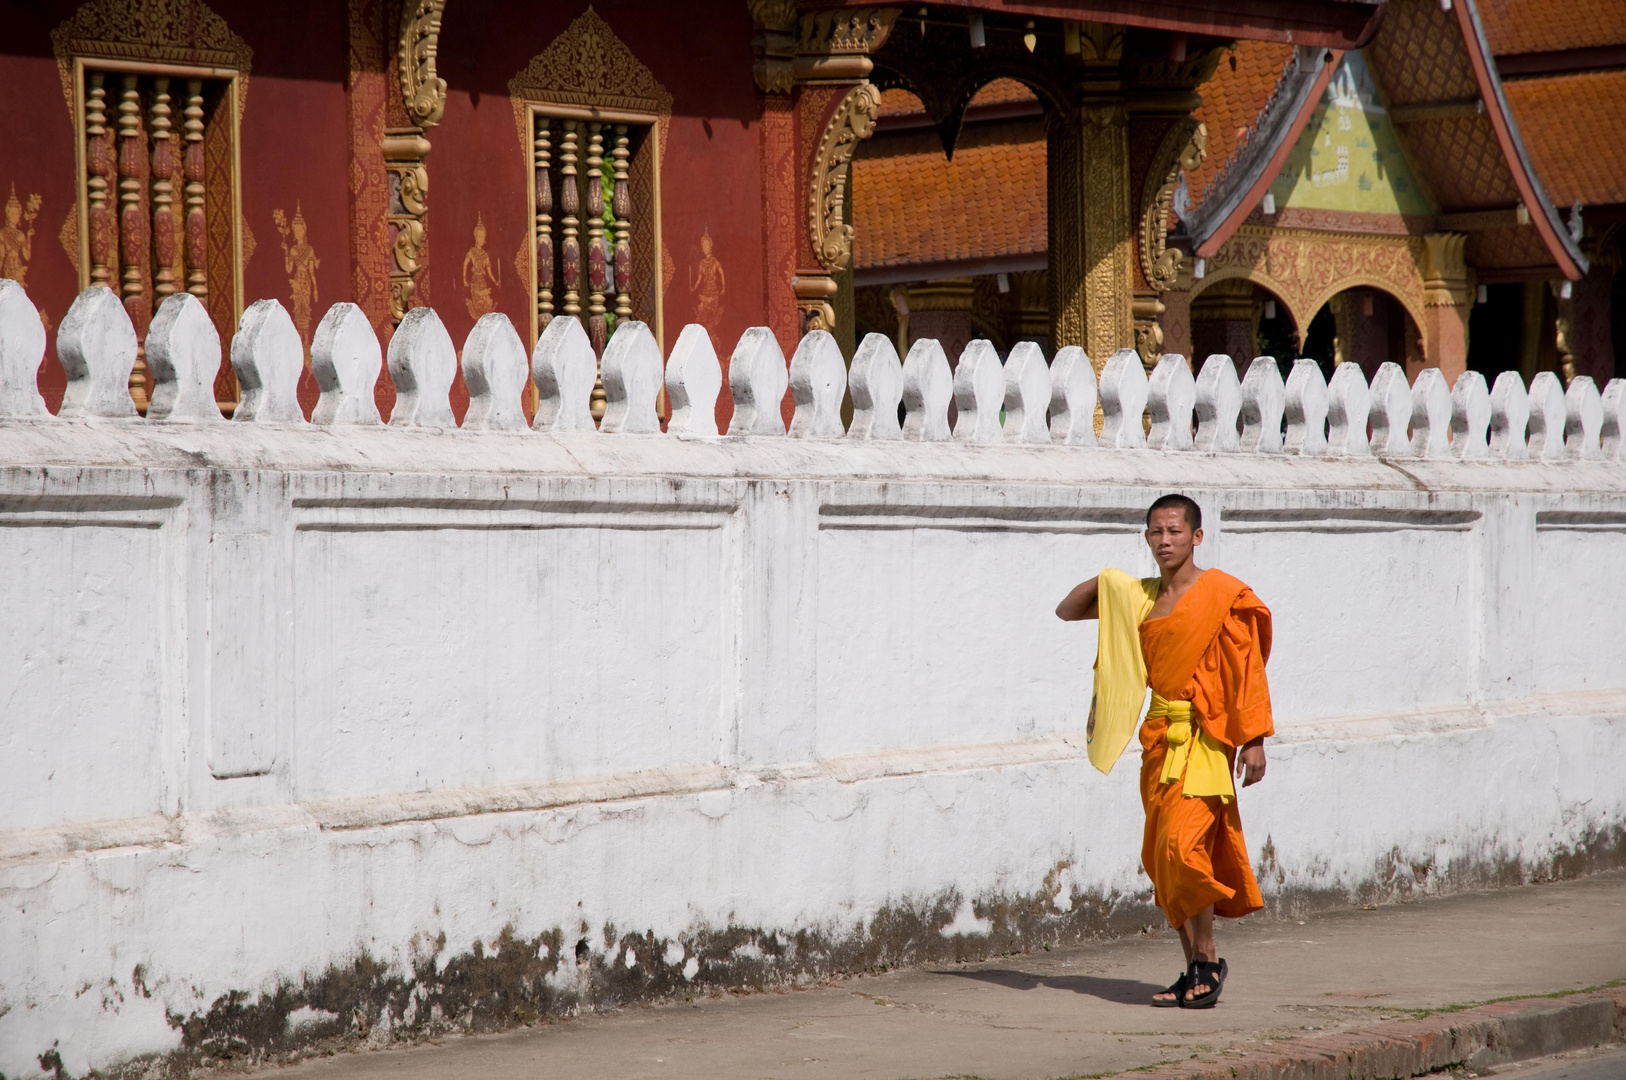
(1171, 537)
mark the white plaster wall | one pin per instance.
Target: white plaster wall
(272, 697)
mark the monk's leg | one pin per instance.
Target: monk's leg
(1185, 943)
(1197, 935)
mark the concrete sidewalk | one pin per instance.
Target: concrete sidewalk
(1080, 1011)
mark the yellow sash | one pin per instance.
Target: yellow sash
(1120, 670)
(1202, 761)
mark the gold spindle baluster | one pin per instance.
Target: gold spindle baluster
(197, 242)
(98, 164)
(133, 249)
(621, 207)
(163, 193)
(570, 252)
(544, 226)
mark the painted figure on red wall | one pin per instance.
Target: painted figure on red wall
(16, 243)
(480, 274)
(708, 283)
(298, 259)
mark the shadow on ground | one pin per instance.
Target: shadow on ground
(1121, 991)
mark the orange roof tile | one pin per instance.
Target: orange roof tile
(912, 205)
(900, 102)
(1000, 91)
(1521, 26)
(1571, 126)
(1232, 101)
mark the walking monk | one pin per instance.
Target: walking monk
(1199, 639)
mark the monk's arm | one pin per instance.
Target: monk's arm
(1080, 603)
(1250, 763)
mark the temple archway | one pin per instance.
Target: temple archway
(1241, 318)
(1365, 325)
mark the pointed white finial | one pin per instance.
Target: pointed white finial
(1073, 394)
(758, 380)
(818, 381)
(97, 346)
(494, 368)
(423, 364)
(1219, 403)
(565, 370)
(876, 381)
(1264, 403)
(694, 379)
(22, 349)
(183, 352)
(928, 387)
(1307, 406)
(1027, 395)
(346, 360)
(632, 381)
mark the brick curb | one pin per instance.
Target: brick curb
(1479, 1037)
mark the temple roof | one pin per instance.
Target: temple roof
(1329, 24)
(1572, 127)
(1534, 26)
(1563, 68)
(921, 215)
(1232, 101)
(1459, 134)
(1439, 139)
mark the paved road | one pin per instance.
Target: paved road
(1609, 1064)
(1073, 1011)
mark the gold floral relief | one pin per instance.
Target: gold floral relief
(68, 237)
(588, 66)
(153, 31)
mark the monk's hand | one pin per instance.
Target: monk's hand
(1250, 763)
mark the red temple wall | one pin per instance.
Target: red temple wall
(296, 157)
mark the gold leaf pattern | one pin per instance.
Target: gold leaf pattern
(588, 65)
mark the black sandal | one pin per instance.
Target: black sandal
(1178, 990)
(1205, 974)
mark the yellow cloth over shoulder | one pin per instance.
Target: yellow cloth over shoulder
(1120, 670)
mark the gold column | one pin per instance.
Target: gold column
(1092, 234)
(831, 70)
(404, 151)
(423, 95)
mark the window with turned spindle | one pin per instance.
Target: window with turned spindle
(595, 212)
(158, 194)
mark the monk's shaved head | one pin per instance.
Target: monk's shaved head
(1193, 512)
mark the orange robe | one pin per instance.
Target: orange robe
(1211, 651)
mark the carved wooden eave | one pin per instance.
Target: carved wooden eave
(835, 46)
(422, 91)
(1182, 150)
(853, 121)
(946, 75)
(774, 45)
